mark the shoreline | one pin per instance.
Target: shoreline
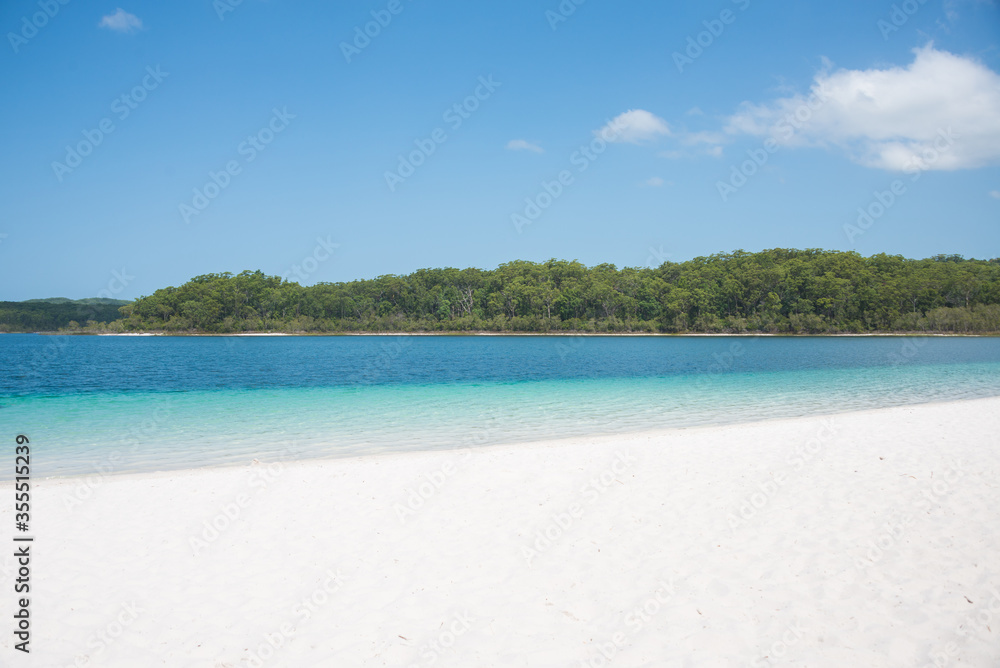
(567, 442)
(816, 537)
(524, 334)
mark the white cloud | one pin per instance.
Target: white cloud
(654, 182)
(522, 145)
(942, 112)
(121, 21)
(633, 127)
(995, 194)
(701, 145)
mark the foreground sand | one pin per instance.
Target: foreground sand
(867, 539)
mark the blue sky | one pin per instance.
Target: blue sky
(650, 113)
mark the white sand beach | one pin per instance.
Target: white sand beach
(860, 539)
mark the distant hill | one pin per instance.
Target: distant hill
(64, 300)
(47, 315)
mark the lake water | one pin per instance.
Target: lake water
(118, 404)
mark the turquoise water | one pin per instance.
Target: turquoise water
(117, 404)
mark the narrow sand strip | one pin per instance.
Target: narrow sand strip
(861, 539)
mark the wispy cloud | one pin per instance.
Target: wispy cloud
(951, 10)
(522, 145)
(891, 118)
(995, 194)
(121, 21)
(654, 182)
(634, 127)
(700, 143)
(713, 139)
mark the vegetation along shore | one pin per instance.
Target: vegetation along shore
(778, 291)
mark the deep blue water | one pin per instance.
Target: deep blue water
(142, 403)
(35, 365)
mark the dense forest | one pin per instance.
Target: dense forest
(58, 313)
(774, 291)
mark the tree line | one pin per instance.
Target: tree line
(808, 291)
(38, 315)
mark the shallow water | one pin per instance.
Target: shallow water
(116, 404)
